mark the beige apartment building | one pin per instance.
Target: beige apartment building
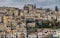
(15, 21)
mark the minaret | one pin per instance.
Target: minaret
(56, 8)
(34, 6)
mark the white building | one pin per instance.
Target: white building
(40, 35)
(22, 33)
(58, 33)
(10, 36)
(55, 34)
(32, 35)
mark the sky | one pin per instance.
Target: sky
(39, 3)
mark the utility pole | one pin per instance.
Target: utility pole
(27, 29)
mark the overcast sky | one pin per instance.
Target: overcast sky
(39, 3)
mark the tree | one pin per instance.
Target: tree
(56, 8)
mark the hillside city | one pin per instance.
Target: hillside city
(29, 22)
